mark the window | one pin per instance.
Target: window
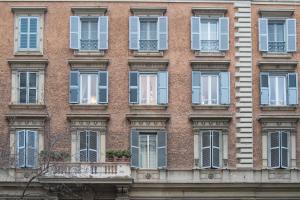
(89, 33)
(148, 149)
(277, 36)
(28, 87)
(279, 89)
(210, 149)
(148, 88)
(210, 33)
(278, 149)
(88, 88)
(88, 146)
(210, 88)
(28, 33)
(148, 33)
(27, 152)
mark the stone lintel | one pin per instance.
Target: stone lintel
(211, 65)
(148, 64)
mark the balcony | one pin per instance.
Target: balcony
(148, 45)
(87, 172)
(210, 45)
(88, 45)
(276, 47)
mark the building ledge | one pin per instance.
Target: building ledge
(12, 116)
(88, 107)
(24, 9)
(88, 116)
(226, 115)
(281, 116)
(132, 116)
(276, 12)
(148, 107)
(278, 108)
(209, 10)
(89, 64)
(148, 64)
(148, 10)
(277, 65)
(276, 55)
(27, 61)
(27, 106)
(210, 64)
(210, 54)
(148, 54)
(210, 107)
(89, 10)
(88, 53)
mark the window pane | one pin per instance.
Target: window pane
(271, 32)
(274, 140)
(143, 151)
(281, 90)
(24, 25)
(152, 153)
(284, 139)
(272, 90)
(143, 30)
(213, 29)
(94, 30)
(33, 25)
(83, 140)
(205, 139)
(204, 29)
(153, 32)
(23, 79)
(32, 95)
(84, 30)
(33, 41)
(23, 42)
(93, 140)
(22, 95)
(214, 89)
(206, 157)
(92, 156)
(280, 32)
(152, 89)
(93, 89)
(204, 87)
(216, 139)
(84, 88)
(32, 79)
(83, 156)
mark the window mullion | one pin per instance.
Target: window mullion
(28, 32)
(87, 145)
(27, 87)
(209, 90)
(148, 151)
(89, 89)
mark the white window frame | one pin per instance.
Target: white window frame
(88, 88)
(150, 18)
(148, 133)
(276, 34)
(148, 88)
(277, 90)
(28, 32)
(28, 87)
(209, 18)
(89, 27)
(87, 149)
(209, 76)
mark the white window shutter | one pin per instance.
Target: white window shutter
(195, 33)
(215, 149)
(23, 32)
(196, 87)
(74, 87)
(75, 31)
(292, 88)
(21, 138)
(274, 145)
(264, 88)
(162, 33)
(83, 146)
(291, 35)
(92, 146)
(224, 88)
(162, 87)
(33, 32)
(223, 33)
(162, 149)
(103, 32)
(263, 34)
(135, 148)
(284, 149)
(133, 87)
(134, 32)
(103, 87)
(206, 149)
(31, 148)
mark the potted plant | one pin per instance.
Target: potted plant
(110, 155)
(126, 155)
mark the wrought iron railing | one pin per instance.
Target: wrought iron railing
(88, 45)
(276, 46)
(148, 45)
(209, 45)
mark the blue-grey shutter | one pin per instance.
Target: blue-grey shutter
(92, 146)
(263, 34)
(21, 148)
(33, 32)
(83, 146)
(74, 87)
(31, 148)
(134, 32)
(206, 149)
(224, 87)
(291, 35)
(103, 87)
(215, 149)
(134, 138)
(134, 87)
(23, 34)
(274, 145)
(162, 33)
(264, 88)
(196, 87)
(292, 89)
(162, 87)
(75, 32)
(224, 33)
(161, 149)
(103, 32)
(284, 149)
(195, 33)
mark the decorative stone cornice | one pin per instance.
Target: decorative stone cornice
(35, 64)
(210, 65)
(148, 121)
(27, 10)
(89, 10)
(98, 121)
(276, 12)
(148, 10)
(209, 10)
(210, 121)
(277, 65)
(278, 122)
(88, 64)
(148, 64)
(26, 120)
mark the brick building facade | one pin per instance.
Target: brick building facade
(203, 94)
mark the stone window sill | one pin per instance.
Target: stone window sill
(28, 53)
(209, 54)
(148, 107)
(278, 108)
(27, 106)
(88, 53)
(210, 107)
(88, 107)
(276, 55)
(148, 54)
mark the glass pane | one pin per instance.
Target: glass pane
(271, 32)
(93, 89)
(272, 90)
(23, 42)
(153, 30)
(84, 88)
(32, 40)
(94, 30)
(284, 157)
(216, 157)
(24, 25)
(93, 140)
(152, 153)
(143, 89)
(103, 81)
(33, 25)
(204, 29)
(284, 139)
(83, 140)
(22, 95)
(204, 87)
(143, 30)
(32, 79)
(216, 139)
(274, 140)
(214, 89)
(143, 151)
(152, 89)
(205, 139)
(23, 79)
(32, 95)
(84, 30)
(280, 32)
(281, 90)
(214, 30)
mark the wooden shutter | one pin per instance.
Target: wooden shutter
(224, 87)
(162, 87)
(264, 88)
(206, 149)
(162, 33)
(134, 148)
(162, 149)
(274, 142)
(292, 88)
(291, 39)
(196, 87)
(74, 87)
(103, 87)
(134, 32)
(215, 149)
(284, 149)
(134, 87)
(83, 146)
(263, 34)
(195, 33)
(31, 148)
(92, 146)
(75, 31)
(103, 32)
(224, 33)
(21, 148)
